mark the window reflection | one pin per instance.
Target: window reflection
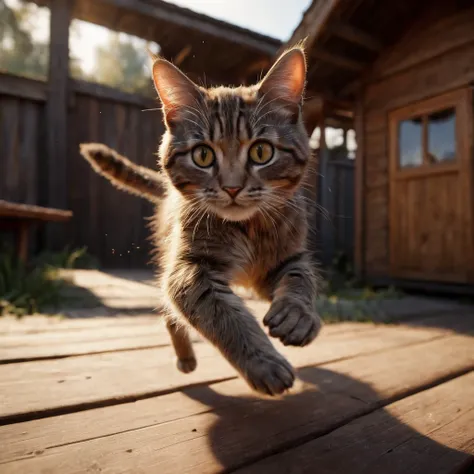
(410, 142)
(442, 136)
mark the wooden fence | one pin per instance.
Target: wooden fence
(109, 222)
(335, 208)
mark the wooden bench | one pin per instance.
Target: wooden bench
(20, 217)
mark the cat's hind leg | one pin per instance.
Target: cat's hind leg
(186, 359)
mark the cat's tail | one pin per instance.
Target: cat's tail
(123, 173)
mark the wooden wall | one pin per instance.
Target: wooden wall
(112, 224)
(435, 56)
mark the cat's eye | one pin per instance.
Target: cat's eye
(261, 153)
(203, 156)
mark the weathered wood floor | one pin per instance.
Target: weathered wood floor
(103, 395)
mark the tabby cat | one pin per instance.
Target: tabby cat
(231, 212)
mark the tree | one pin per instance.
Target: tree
(19, 53)
(122, 64)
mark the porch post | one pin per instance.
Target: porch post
(56, 115)
(313, 114)
(359, 224)
(325, 226)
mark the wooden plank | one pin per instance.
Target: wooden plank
(111, 255)
(359, 221)
(313, 24)
(88, 379)
(355, 35)
(449, 71)
(213, 428)
(21, 87)
(18, 347)
(431, 431)
(433, 37)
(23, 241)
(102, 92)
(436, 245)
(56, 113)
(338, 60)
(38, 324)
(29, 126)
(27, 211)
(128, 15)
(9, 146)
(94, 232)
(59, 351)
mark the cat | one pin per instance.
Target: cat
(231, 212)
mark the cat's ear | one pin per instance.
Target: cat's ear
(176, 90)
(285, 81)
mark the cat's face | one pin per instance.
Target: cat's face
(235, 151)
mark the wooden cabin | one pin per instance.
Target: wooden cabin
(404, 70)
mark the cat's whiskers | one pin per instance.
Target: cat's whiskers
(265, 214)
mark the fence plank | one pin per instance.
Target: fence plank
(336, 199)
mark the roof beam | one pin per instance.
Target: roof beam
(313, 23)
(354, 35)
(183, 17)
(108, 12)
(338, 60)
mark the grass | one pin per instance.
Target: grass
(344, 298)
(31, 288)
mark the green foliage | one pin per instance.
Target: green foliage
(19, 54)
(26, 289)
(68, 258)
(340, 275)
(122, 64)
(344, 298)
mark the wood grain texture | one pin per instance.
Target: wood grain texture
(92, 380)
(430, 227)
(360, 177)
(440, 30)
(56, 114)
(433, 58)
(21, 87)
(57, 344)
(26, 211)
(217, 428)
(431, 431)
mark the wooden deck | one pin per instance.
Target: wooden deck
(103, 395)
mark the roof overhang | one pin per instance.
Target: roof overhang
(202, 46)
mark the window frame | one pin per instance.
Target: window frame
(450, 100)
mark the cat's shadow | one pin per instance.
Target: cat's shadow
(250, 428)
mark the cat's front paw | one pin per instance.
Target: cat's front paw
(269, 373)
(293, 322)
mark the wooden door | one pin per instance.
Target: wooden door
(431, 206)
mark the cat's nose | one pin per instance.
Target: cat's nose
(232, 191)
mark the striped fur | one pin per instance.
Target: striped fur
(122, 172)
(210, 238)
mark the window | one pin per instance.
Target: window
(410, 142)
(425, 134)
(442, 136)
